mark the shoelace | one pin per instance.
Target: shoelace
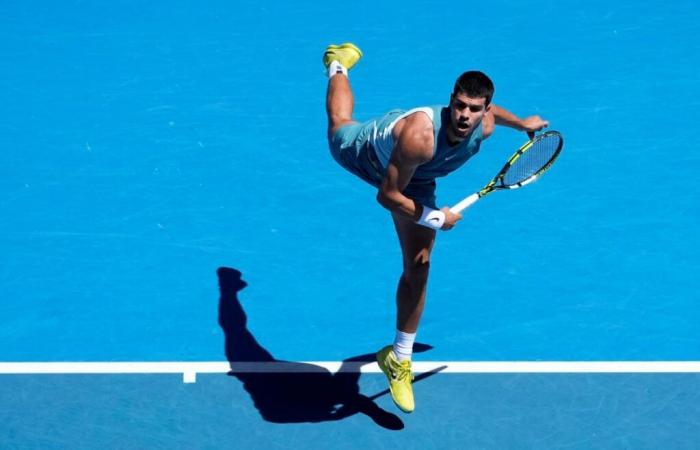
(400, 372)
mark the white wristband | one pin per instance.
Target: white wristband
(432, 218)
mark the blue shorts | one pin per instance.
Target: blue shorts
(350, 147)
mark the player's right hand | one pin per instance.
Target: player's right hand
(451, 219)
(532, 124)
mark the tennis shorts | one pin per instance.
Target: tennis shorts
(351, 148)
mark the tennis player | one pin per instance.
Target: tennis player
(402, 153)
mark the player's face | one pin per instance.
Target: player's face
(466, 113)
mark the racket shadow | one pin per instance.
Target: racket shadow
(295, 392)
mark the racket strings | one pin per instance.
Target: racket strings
(533, 160)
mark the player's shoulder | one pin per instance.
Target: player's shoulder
(415, 136)
(420, 119)
(421, 126)
(418, 125)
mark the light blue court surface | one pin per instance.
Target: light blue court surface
(145, 145)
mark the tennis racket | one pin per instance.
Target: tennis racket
(524, 167)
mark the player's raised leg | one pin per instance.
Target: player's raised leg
(338, 59)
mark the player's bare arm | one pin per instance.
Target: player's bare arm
(503, 117)
(413, 138)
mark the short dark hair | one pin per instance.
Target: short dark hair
(474, 84)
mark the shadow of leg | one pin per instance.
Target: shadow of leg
(293, 392)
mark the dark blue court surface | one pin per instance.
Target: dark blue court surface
(144, 146)
(460, 411)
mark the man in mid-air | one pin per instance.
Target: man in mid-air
(401, 154)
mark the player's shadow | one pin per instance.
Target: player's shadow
(293, 392)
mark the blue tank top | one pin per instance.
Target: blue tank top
(446, 158)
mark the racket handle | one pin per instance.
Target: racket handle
(464, 204)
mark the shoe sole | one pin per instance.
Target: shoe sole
(345, 45)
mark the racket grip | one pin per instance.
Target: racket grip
(464, 204)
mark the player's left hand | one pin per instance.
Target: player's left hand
(532, 124)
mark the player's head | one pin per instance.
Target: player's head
(469, 102)
(474, 84)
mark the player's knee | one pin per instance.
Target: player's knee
(416, 272)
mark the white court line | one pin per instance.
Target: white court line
(189, 370)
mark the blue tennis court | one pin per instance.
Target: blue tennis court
(167, 196)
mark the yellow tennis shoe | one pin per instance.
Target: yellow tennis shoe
(346, 54)
(400, 378)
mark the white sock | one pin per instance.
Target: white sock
(403, 345)
(335, 67)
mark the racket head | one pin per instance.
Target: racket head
(530, 161)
